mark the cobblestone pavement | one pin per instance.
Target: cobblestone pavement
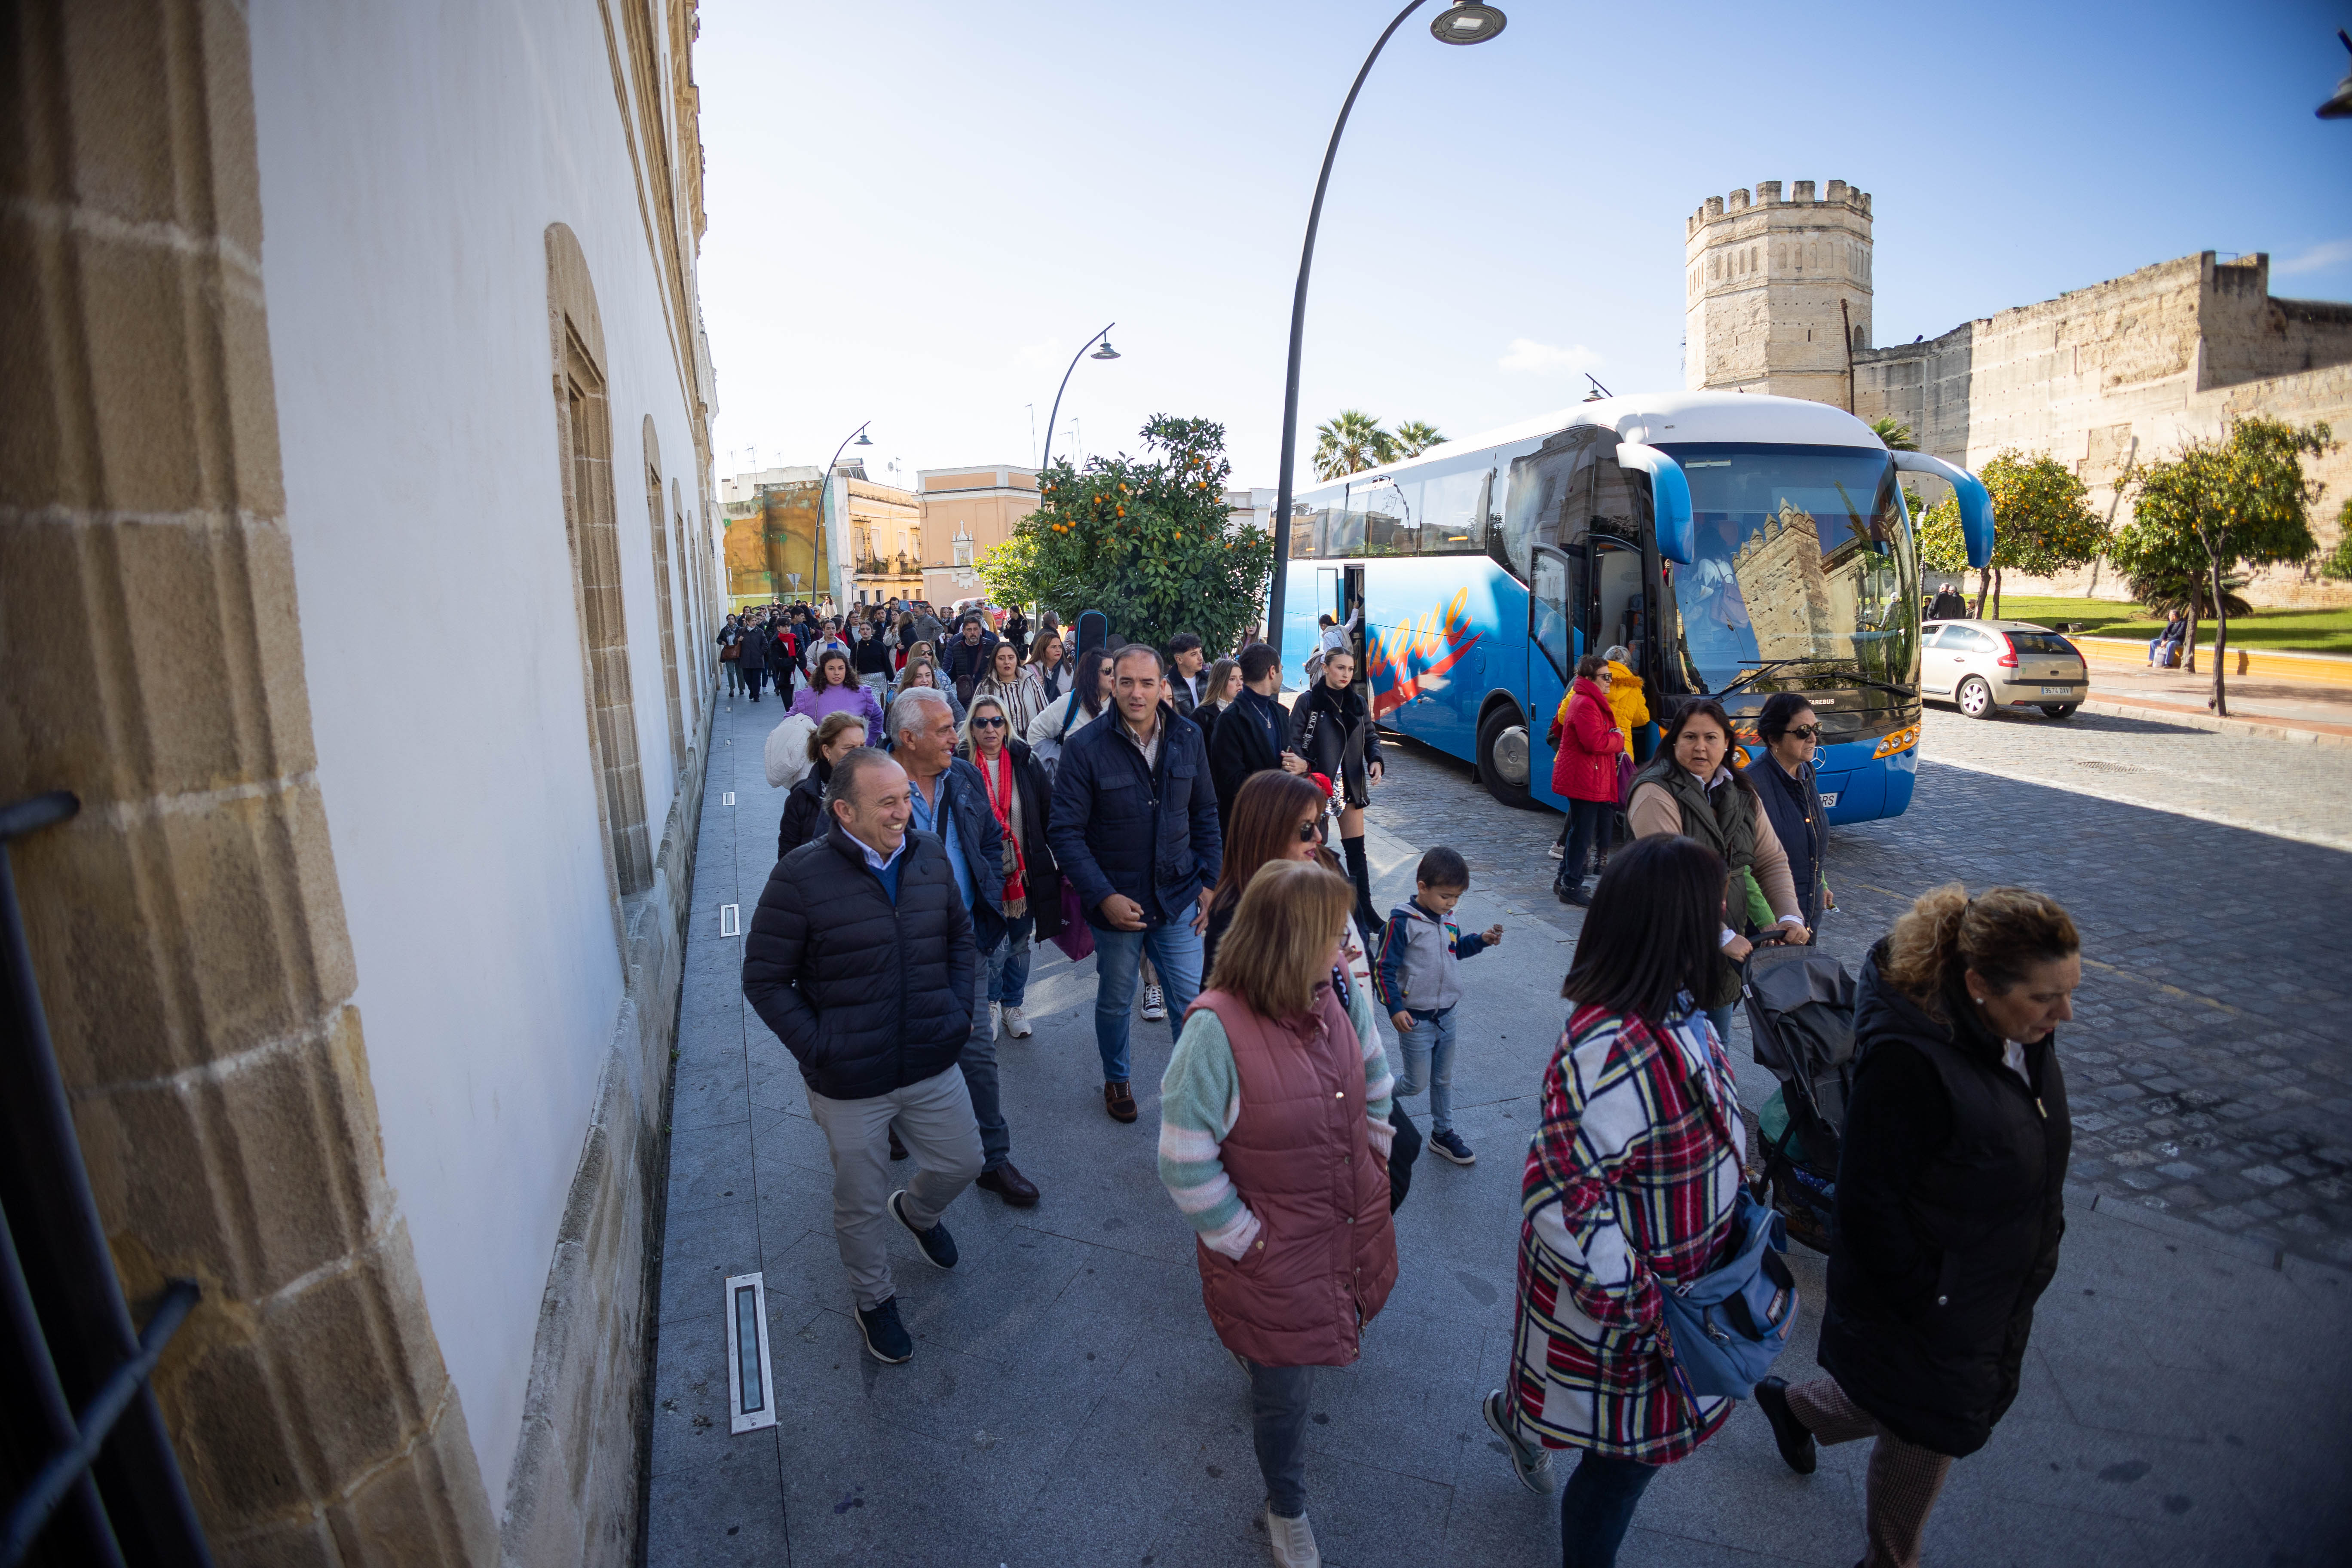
(2211, 1061)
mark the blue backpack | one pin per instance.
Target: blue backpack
(1728, 1325)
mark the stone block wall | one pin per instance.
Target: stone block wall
(1776, 290)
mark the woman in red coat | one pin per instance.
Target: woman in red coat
(1584, 769)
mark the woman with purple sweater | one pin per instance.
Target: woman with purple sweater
(832, 689)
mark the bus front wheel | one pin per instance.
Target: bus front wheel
(1503, 758)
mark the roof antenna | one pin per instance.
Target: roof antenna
(1598, 390)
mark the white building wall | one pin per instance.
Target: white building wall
(406, 276)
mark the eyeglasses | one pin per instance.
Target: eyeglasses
(1803, 731)
(997, 723)
(1311, 830)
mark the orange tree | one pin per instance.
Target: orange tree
(1149, 541)
(2041, 524)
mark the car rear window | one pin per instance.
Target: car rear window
(2041, 643)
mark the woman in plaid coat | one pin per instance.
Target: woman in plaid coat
(1632, 1184)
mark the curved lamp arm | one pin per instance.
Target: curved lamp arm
(1976, 502)
(1058, 399)
(1669, 500)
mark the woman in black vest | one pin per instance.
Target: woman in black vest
(1689, 786)
(1949, 1204)
(1783, 778)
(1330, 728)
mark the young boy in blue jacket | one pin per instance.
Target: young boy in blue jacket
(1419, 978)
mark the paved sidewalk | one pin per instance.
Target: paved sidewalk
(2183, 1401)
(2300, 710)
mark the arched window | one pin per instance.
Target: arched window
(692, 623)
(663, 613)
(584, 436)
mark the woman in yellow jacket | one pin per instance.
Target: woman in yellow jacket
(1627, 706)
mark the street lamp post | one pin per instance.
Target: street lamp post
(1454, 24)
(825, 495)
(1106, 351)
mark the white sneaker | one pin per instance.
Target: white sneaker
(995, 1019)
(1015, 1024)
(1558, 851)
(1155, 1008)
(1292, 1541)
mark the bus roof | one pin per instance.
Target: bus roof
(1662, 417)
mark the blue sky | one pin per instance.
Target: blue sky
(918, 211)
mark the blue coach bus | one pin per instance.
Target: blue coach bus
(1737, 545)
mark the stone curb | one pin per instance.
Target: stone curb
(2268, 729)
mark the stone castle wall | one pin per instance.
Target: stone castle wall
(1764, 282)
(2125, 370)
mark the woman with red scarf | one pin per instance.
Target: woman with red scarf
(1020, 795)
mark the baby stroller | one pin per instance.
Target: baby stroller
(1799, 1004)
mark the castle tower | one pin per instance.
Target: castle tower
(1764, 281)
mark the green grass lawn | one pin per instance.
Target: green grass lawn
(2304, 631)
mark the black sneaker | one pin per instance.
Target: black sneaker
(1796, 1443)
(887, 1340)
(936, 1245)
(1575, 895)
(1449, 1144)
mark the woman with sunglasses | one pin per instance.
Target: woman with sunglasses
(1584, 769)
(1279, 816)
(1791, 734)
(1020, 795)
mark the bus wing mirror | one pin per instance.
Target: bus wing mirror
(1669, 502)
(1976, 502)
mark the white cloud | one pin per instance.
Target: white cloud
(2318, 258)
(1547, 359)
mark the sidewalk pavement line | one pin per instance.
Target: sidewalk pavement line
(2266, 729)
(2181, 1230)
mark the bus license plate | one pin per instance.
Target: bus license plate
(1828, 799)
(2057, 691)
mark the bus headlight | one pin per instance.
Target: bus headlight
(1901, 740)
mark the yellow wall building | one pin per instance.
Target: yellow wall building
(966, 512)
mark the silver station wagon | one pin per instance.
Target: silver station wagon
(1983, 665)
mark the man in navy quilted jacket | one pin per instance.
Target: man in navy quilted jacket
(861, 958)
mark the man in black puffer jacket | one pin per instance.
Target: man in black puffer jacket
(860, 957)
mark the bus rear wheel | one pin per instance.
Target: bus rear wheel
(1503, 758)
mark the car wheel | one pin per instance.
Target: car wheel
(1503, 756)
(1975, 697)
(2060, 710)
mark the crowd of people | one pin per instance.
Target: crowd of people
(1168, 814)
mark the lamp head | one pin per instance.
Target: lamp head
(1106, 351)
(2339, 106)
(1467, 23)
(861, 440)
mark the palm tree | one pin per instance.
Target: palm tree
(1895, 433)
(1415, 437)
(1351, 443)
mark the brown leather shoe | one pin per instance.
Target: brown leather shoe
(1009, 1184)
(1119, 1101)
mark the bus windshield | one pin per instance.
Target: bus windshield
(1803, 554)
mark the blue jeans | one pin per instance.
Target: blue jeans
(1721, 1019)
(1278, 1399)
(979, 1064)
(1118, 958)
(1596, 1507)
(1009, 983)
(1429, 1063)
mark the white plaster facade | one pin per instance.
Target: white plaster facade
(412, 160)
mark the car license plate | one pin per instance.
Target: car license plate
(1828, 799)
(2057, 691)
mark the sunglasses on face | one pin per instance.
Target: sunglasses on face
(1310, 831)
(1804, 732)
(988, 723)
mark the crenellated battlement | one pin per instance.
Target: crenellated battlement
(1767, 193)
